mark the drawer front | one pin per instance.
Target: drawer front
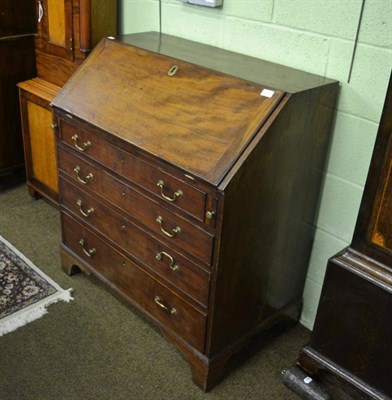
(162, 185)
(156, 255)
(174, 230)
(125, 276)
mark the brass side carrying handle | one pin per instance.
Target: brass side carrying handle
(172, 265)
(175, 230)
(86, 213)
(87, 178)
(89, 253)
(176, 194)
(170, 310)
(86, 145)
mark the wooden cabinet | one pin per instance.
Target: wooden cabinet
(39, 141)
(55, 28)
(191, 189)
(67, 31)
(16, 63)
(351, 339)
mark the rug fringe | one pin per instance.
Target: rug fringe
(33, 312)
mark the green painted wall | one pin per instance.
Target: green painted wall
(315, 36)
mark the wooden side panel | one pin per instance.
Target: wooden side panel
(103, 19)
(56, 70)
(42, 145)
(268, 219)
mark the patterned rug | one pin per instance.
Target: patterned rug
(25, 291)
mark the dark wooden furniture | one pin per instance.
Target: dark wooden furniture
(39, 141)
(192, 191)
(352, 336)
(67, 31)
(17, 63)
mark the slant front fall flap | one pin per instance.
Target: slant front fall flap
(196, 119)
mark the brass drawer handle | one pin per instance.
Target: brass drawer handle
(84, 213)
(86, 145)
(169, 309)
(175, 230)
(89, 253)
(86, 180)
(176, 195)
(172, 265)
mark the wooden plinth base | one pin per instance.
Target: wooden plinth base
(316, 364)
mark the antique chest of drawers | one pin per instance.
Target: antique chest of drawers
(189, 181)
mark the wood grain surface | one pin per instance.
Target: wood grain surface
(197, 120)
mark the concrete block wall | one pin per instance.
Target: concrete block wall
(318, 37)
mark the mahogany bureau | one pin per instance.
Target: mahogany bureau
(189, 183)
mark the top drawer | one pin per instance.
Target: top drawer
(161, 184)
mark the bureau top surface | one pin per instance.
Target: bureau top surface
(264, 72)
(196, 119)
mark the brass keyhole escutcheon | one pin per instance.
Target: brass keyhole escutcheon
(172, 70)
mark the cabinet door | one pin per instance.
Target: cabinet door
(39, 142)
(55, 29)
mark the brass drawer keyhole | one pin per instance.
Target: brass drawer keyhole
(172, 70)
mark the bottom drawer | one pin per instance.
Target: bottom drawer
(125, 276)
